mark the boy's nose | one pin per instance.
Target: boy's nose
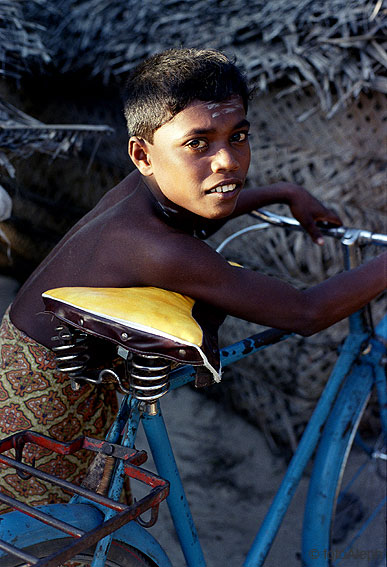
(224, 160)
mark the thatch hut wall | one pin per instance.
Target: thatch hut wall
(340, 158)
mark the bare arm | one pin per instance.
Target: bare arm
(192, 268)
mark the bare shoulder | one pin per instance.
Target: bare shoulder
(181, 262)
(129, 185)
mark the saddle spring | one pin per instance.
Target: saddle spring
(149, 377)
(71, 354)
(148, 374)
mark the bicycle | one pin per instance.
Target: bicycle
(33, 536)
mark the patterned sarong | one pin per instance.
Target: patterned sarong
(34, 395)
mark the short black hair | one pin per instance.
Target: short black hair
(166, 83)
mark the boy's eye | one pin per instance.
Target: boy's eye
(197, 144)
(239, 137)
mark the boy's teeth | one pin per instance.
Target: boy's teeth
(223, 188)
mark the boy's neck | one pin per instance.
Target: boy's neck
(173, 214)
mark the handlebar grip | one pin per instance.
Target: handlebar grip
(347, 235)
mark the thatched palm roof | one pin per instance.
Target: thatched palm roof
(335, 46)
(21, 49)
(21, 135)
(20, 39)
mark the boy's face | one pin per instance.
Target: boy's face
(199, 159)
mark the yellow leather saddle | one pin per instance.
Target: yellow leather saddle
(144, 320)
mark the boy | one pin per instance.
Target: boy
(188, 138)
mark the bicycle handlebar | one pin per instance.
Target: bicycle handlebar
(346, 234)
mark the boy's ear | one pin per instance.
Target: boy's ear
(138, 150)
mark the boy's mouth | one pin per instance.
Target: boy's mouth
(223, 188)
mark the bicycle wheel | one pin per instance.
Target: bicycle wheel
(343, 522)
(120, 555)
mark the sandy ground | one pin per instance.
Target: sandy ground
(230, 478)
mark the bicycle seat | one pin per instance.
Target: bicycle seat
(143, 320)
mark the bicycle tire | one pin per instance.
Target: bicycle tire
(120, 555)
(321, 510)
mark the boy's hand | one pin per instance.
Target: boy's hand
(309, 211)
(305, 208)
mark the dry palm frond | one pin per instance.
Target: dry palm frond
(20, 40)
(21, 135)
(335, 46)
